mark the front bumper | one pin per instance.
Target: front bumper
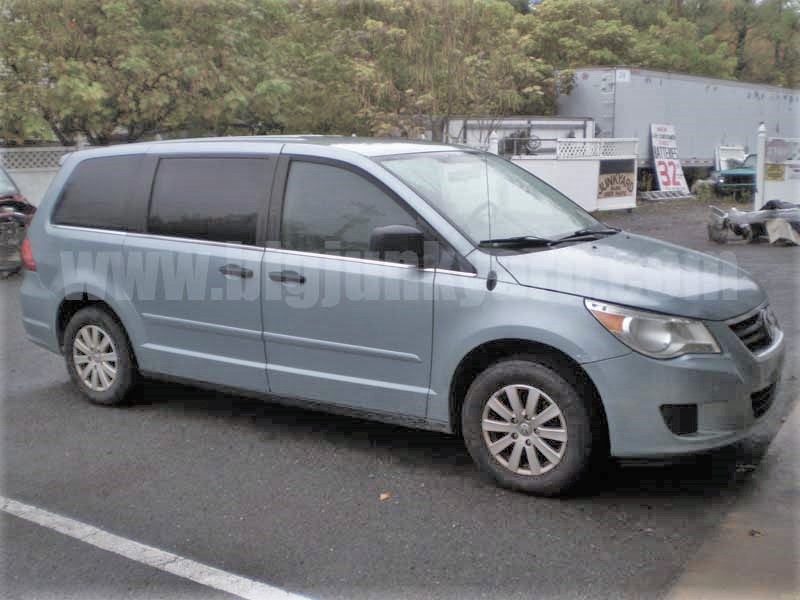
(735, 186)
(728, 389)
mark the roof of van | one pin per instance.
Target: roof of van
(362, 145)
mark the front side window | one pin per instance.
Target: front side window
(488, 197)
(215, 199)
(330, 209)
(98, 192)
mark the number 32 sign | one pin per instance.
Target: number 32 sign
(669, 172)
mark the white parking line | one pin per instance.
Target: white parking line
(147, 555)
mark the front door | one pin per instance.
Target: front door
(340, 325)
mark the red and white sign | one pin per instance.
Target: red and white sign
(668, 170)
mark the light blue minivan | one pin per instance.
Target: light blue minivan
(425, 284)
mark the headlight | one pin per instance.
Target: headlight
(720, 179)
(652, 334)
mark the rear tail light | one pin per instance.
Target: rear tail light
(26, 254)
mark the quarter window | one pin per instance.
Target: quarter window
(217, 199)
(329, 209)
(98, 193)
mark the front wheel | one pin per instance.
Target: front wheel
(528, 428)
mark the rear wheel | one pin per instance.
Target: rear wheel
(98, 356)
(527, 427)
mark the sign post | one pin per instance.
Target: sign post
(666, 163)
(761, 159)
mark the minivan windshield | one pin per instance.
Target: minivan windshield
(489, 198)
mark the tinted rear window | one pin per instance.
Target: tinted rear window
(98, 193)
(217, 199)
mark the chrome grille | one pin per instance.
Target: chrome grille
(753, 330)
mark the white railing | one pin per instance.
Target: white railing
(46, 157)
(569, 148)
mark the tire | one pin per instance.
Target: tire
(78, 335)
(531, 380)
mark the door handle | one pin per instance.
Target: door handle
(287, 277)
(236, 271)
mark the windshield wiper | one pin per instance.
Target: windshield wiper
(604, 230)
(586, 234)
(529, 241)
(520, 241)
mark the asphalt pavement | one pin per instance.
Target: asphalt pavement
(292, 498)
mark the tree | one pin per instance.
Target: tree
(87, 67)
(419, 62)
(773, 52)
(742, 16)
(122, 70)
(676, 45)
(579, 33)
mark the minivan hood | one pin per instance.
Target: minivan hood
(640, 272)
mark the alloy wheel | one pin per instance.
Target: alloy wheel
(95, 358)
(524, 430)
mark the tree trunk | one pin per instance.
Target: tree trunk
(437, 128)
(741, 39)
(55, 127)
(741, 16)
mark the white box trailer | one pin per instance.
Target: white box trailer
(706, 112)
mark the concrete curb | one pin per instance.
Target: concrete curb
(756, 551)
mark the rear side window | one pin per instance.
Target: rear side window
(328, 209)
(98, 193)
(216, 199)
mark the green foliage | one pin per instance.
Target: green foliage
(704, 192)
(677, 45)
(579, 33)
(121, 70)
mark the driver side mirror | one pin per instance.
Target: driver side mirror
(398, 240)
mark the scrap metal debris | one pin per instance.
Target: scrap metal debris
(777, 221)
